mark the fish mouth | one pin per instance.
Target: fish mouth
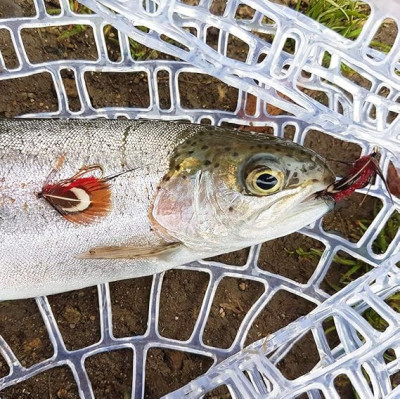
(324, 195)
(327, 194)
(320, 196)
(305, 207)
(322, 190)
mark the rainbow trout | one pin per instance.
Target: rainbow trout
(89, 201)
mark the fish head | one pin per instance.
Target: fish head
(228, 190)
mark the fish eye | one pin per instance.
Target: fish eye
(263, 181)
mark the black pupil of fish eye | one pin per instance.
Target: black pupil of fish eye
(266, 181)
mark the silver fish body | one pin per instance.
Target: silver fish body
(188, 195)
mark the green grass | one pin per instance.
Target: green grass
(353, 268)
(71, 31)
(386, 236)
(138, 50)
(345, 17)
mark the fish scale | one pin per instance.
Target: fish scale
(171, 209)
(105, 147)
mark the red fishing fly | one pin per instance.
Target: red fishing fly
(81, 199)
(361, 174)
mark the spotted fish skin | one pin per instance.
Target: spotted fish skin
(184, 179)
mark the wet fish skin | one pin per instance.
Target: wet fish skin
(186, 194)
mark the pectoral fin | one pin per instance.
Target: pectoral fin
(128, 252)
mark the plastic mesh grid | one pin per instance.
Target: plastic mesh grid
(275, 78)
(360, 347)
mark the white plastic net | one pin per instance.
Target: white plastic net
(273, 75)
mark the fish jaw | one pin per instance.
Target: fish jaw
(297, 211)
(284, 216)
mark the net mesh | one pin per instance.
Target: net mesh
(284, 79)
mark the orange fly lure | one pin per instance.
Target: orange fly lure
(81, 199)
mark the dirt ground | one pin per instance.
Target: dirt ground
(77, 312)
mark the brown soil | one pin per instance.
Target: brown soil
(181, 298)
(168, 370)
(302, 358)
(47, 44)
(232, 301)
(118, 89)
(20, 8)
(182, 291)
(130, 301)
(203, 91)
(22, 327)
(283, 308)
(56, 383)
(77, 316)
(27, 95)
(111, 374)
(280, 256)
